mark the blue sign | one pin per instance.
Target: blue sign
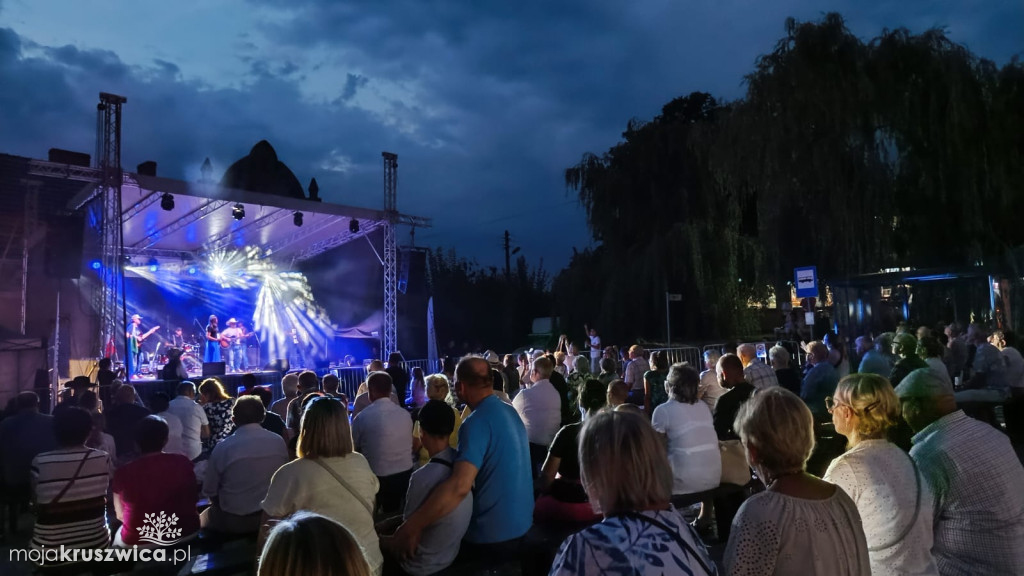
(806, 282)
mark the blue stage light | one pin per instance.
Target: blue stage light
(192, 270)
(153, 265)
(95, 264)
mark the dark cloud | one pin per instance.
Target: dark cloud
(353, 82)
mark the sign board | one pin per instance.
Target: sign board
(809, 318)
(673, 297)
(806, 282)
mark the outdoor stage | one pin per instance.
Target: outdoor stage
(147, 387)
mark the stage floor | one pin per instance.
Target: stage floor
(147, 386)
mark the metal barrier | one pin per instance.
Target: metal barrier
(689, 354)
(352, 376)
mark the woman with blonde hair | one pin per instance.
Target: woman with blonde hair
(217, 404)
(893, 501)
(328, 478)
(800, 524)
(625, 472)
(437, 389)
(311, 545)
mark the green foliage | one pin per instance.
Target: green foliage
(854, 156)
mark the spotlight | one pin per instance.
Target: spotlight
(353, 226)
(218, 272)
(238, 212)
(95, 264)
(167, 201)
(297, 219)
(192, 270)
(153, 265)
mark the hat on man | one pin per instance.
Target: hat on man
(232, 321)
(492, 357)
(136, 317)
(78, 382)
(923, 383)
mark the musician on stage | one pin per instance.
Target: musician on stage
(135, 339)
(242, 347)
(233, 336)
(212, 351)
(178, 339)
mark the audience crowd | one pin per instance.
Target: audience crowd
(883, 458)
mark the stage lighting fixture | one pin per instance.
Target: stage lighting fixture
(95, 264)
(297, 219)
(153, 265)
(192, 270)
(167, 201)
(238, 212)
(218, 272)
(353, 226)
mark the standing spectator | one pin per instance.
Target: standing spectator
(511, 376)
(975, 477)
(524, 370)
(195, 426)
(878, 359)
(608, 372)
(580, 374)
(634, 374)
(327, 478)
(493, 462)
(738, 391)
(800, 524)
(440, 542)
(154, 483)
(383, 433)
(69, 486)
(820, 382)
(290, 389)
(175, 428)
(239, 471)
(838, 357)
(654, 382)
(617, 393)
(310, 544)
(308, 383)
(399, 376)
(437, 389)
(787, 376)
(560, 366)
(624, 468)
(757, 373)
(904, 346)
(217, 405)
(594, 346)
(417, 389)
(540, 409)
(121, 421)
(23, 436)
(710, 388)
(331, 385)
(690, 434)
(883, 481)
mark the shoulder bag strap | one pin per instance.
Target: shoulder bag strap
(442, 462)
(345, 485)
(78, 471)
(913, 520)
(675, 536)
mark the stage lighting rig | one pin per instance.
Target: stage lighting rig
(353, 226)
(297, 219)
(238, 212)
(153, 264)
(167, 201)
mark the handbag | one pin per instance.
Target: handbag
(735, 469)
(345, 485)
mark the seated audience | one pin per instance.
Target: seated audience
(904, 346)
(440, 541)
(121, 421)
(838, 357)
(894, 503)
(154, 484)
(175, 428)
(331, 385)
(800, 524)
(312, 545)
(786, 375)
(195, 426)
(738, 390)
(69, 486)
(217, 405)
(878, 359)
(437, 389)
(99, 439)
(690, 434)
(820, 382)
(626, 473)
(363, 395)
(290, 389)
(759, 374)
(1006, 343)
(988, 381)
(23, 436)
(655, 393)
(308, 383)
(617, 394)
(271, 421)
(563, 498)
(239, 471)
(383, 434)
(975, 478)
(540, 408)
(327, 478)
(931, 351)
(710, 388)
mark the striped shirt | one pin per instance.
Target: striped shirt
(78, 519)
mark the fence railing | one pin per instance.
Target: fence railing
(352, 376)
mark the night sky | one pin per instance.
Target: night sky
(486, 103)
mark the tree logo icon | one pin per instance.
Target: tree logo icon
(159, 529)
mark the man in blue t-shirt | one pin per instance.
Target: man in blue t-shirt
(493, 462)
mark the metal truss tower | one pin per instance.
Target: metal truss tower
(108, 161)
(390, 253)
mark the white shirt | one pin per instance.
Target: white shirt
(193, 418)
(595, 350)
(883, 483)
(760, 375)
(692, 445)
(635, 371)
(383, 433)
(710, 389)
(540, 408)
(175, 444)
(240, 467)
(1014, 367)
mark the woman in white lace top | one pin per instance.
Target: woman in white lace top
(800, 524)
(895, 505)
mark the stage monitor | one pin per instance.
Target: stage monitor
(214, 369)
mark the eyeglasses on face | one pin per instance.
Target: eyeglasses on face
(831, 403)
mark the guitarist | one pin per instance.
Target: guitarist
(231, 339)
(135, 339)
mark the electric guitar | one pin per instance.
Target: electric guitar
(134, 342)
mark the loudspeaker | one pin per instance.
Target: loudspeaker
(64, 246)
(280, 365)
(214, 369)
